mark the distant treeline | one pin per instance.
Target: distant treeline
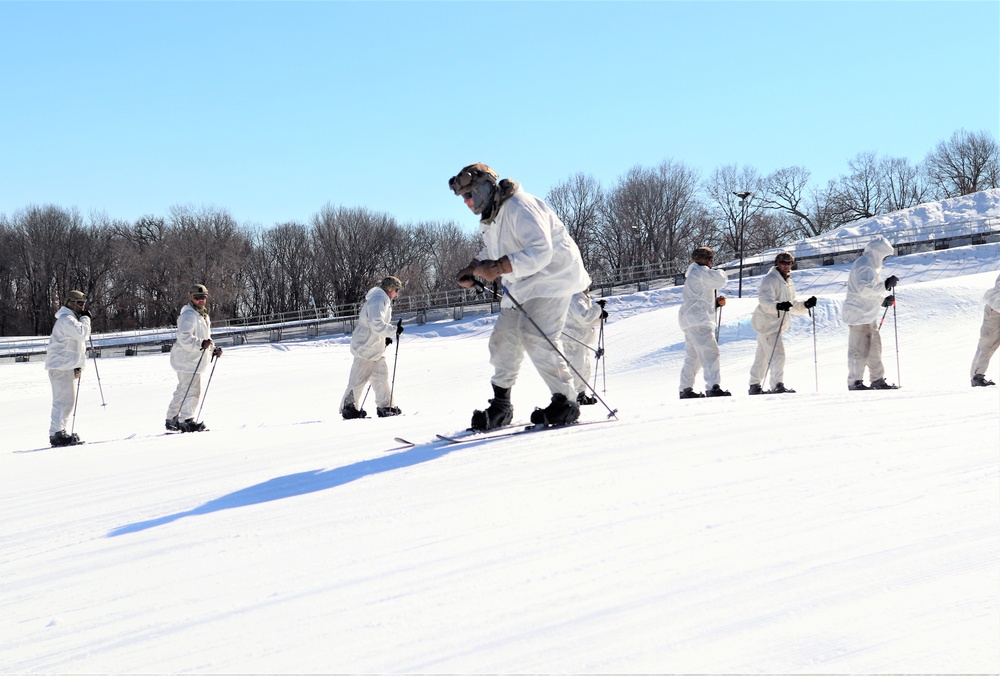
(136, 274)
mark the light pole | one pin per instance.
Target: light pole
(744, 196)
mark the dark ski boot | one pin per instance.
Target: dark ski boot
(560, 411)
(585, 400)
(499, 413)
(717, 391)
(387, 411)
(979, 380)
(880, 384)
(62, 438)
(190, 425)
(756, 389)
(858, 385)
(173, 425)
(351, 412)
(781, 389)
(689, 393)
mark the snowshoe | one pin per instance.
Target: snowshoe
(560, 411)
(351, 412)
(387, 411)
(583, 399)
(979, 380)
(781, 389)
(756, 389)
(880, 384)
(499, 413)
(717, 391)
(689, 393)
(858, 385)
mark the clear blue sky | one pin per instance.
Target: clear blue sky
(272, 109)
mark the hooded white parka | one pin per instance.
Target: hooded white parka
(67, 348)
(545, 261)
(774, 289)
(865, 286)
(701, 286)
(192, 329)
(374, 325)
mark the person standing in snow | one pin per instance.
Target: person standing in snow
(696, 318)
(581, 320)
(989, 337)
(527, 245)
(862, 306)
(65, 359)
(775, 300)
(187, 359)
(371, 336)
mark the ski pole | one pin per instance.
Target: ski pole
(815, 359)
(190, 382)
(76, 400)
(395, 360)
(577, 340)
(777, 337)
(611, 412)
(204, 395)
(886, 311)
(93, 354)
(604, 364)
(895, 330)
(718, 314)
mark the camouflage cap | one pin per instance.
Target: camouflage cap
(464, 181)
(784, 257)
(391, 282)
(74, 296)
(198, 288)
(702, 253)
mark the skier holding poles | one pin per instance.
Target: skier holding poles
(989, 337)
(187, 359)
(371, 336)
(696, 318)
(65, 359)
(527, 245)
(865, 291)
(775, 300)
(581, 320)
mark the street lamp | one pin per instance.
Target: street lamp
(744, 196)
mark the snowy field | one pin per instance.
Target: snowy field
(817, 532)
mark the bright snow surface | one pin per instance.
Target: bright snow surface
(823, 531)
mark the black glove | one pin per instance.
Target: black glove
(86, 313)
(217, 352)
(810, 302)
(77, 372)
(205, 344)
(891, 282)
(784, 306)
(388, 342)
(889, 301)
(604, 314)
(602, 302)
(399, 327)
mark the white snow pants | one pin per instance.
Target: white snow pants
(364, 371)
(580, 355)
(63, 383)
(989, 341)
(864, 348)
(768, 344)
(183, 407)
(514, 334)
(701, 351)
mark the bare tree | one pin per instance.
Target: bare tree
(903, 185)
(966, 163)
(785, 191)
(578, 202)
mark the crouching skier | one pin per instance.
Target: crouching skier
(528, 246)
(371, 336)
(187, 358)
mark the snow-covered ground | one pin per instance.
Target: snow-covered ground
(824, 531)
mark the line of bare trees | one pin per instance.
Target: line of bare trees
(137, 274)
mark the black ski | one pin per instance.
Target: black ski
(512, 431)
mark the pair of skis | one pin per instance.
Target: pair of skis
(469, 436)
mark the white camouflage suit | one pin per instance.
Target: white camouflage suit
(189, 361)
(696, 318)
(546, 270)
(581, 342)
(774, 289)
(368, 347)
(863, 310)
(67, 351)
(989, 333)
